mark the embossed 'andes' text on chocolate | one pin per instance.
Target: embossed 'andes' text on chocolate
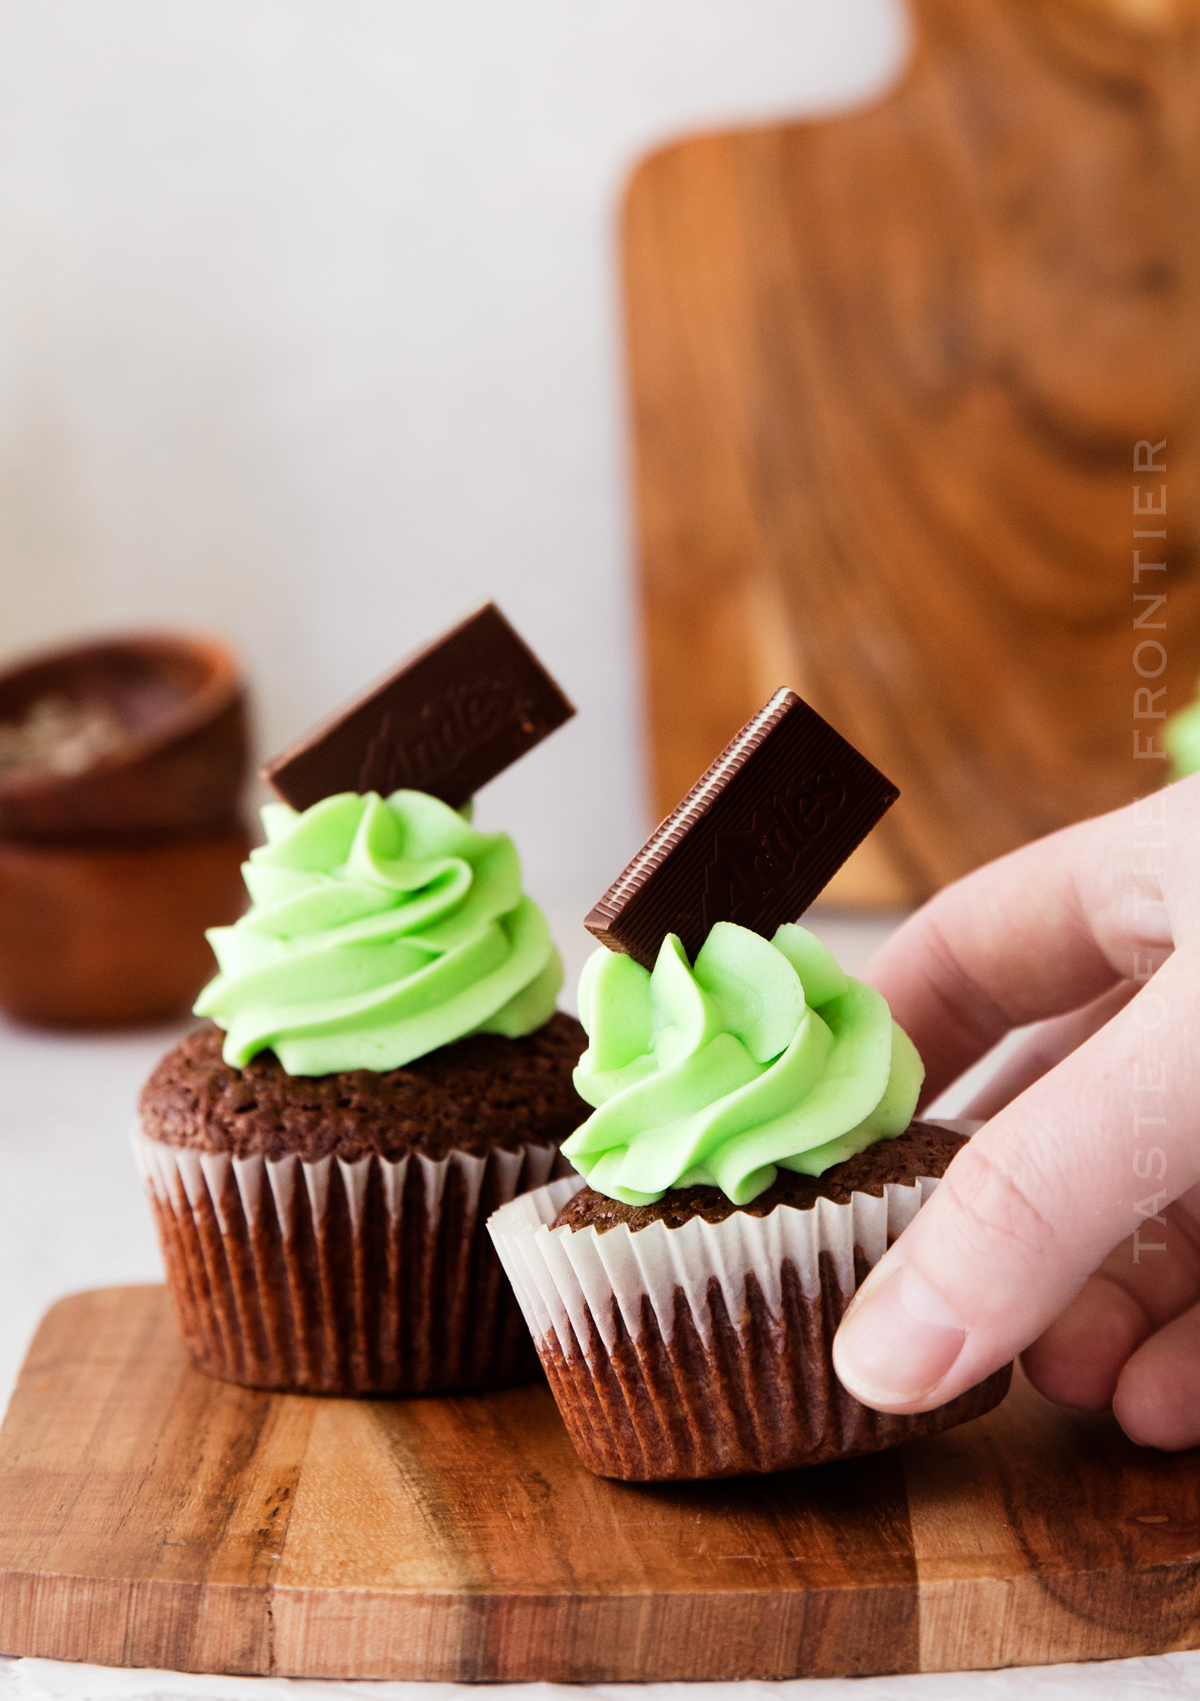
(750, 867)
(754, 841)
(419, 751)
(446, 721)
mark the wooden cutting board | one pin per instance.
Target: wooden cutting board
(151, 1517)
(889, 371)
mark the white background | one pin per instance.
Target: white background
(309, 334)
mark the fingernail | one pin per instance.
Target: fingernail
(898, 1341)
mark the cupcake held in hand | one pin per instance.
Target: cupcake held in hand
(388, 1068)
(749, 1157)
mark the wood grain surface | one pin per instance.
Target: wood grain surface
(151, 1517)
(888, 374)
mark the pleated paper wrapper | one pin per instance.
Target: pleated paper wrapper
(371, 1277)
(705, 1350)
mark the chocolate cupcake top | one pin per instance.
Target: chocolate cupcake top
(923, 1149)
(479, 1093)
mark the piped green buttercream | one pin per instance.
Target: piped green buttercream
(379, 930)
(761, 1054)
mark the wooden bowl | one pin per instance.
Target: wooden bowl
(181, 703)
(96, 936)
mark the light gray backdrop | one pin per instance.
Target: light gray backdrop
(309, 333)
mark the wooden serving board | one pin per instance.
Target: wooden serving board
(151, 1517)
(887, 371)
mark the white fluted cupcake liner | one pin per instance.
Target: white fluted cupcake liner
(705, 1350)
(373, 1276)
(570, 1281)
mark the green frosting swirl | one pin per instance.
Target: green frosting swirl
(762, 1054)
(379, 930)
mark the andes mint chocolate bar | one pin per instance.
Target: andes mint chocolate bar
(448, 719)
(755, 839)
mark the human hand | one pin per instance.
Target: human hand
(1068, 1230)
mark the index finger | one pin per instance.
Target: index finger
(1039, 932)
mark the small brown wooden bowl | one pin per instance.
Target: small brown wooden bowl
(182, 701)
(102, 935)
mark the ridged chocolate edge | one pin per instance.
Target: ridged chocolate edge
(756, 839)
(684, 816)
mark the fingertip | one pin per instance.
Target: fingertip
(1148, 1418)
(897, 1343)
(1157, 1397)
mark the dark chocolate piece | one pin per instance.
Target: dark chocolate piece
(449, 719)
(755, 839)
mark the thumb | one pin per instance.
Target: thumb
(1033, 1205)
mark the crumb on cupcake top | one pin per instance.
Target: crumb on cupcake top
(482, 1092)
(922, 1149)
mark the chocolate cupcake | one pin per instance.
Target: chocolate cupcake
(751, 1149)
(386, 1069)
(324, 1234)
(750, 1158)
